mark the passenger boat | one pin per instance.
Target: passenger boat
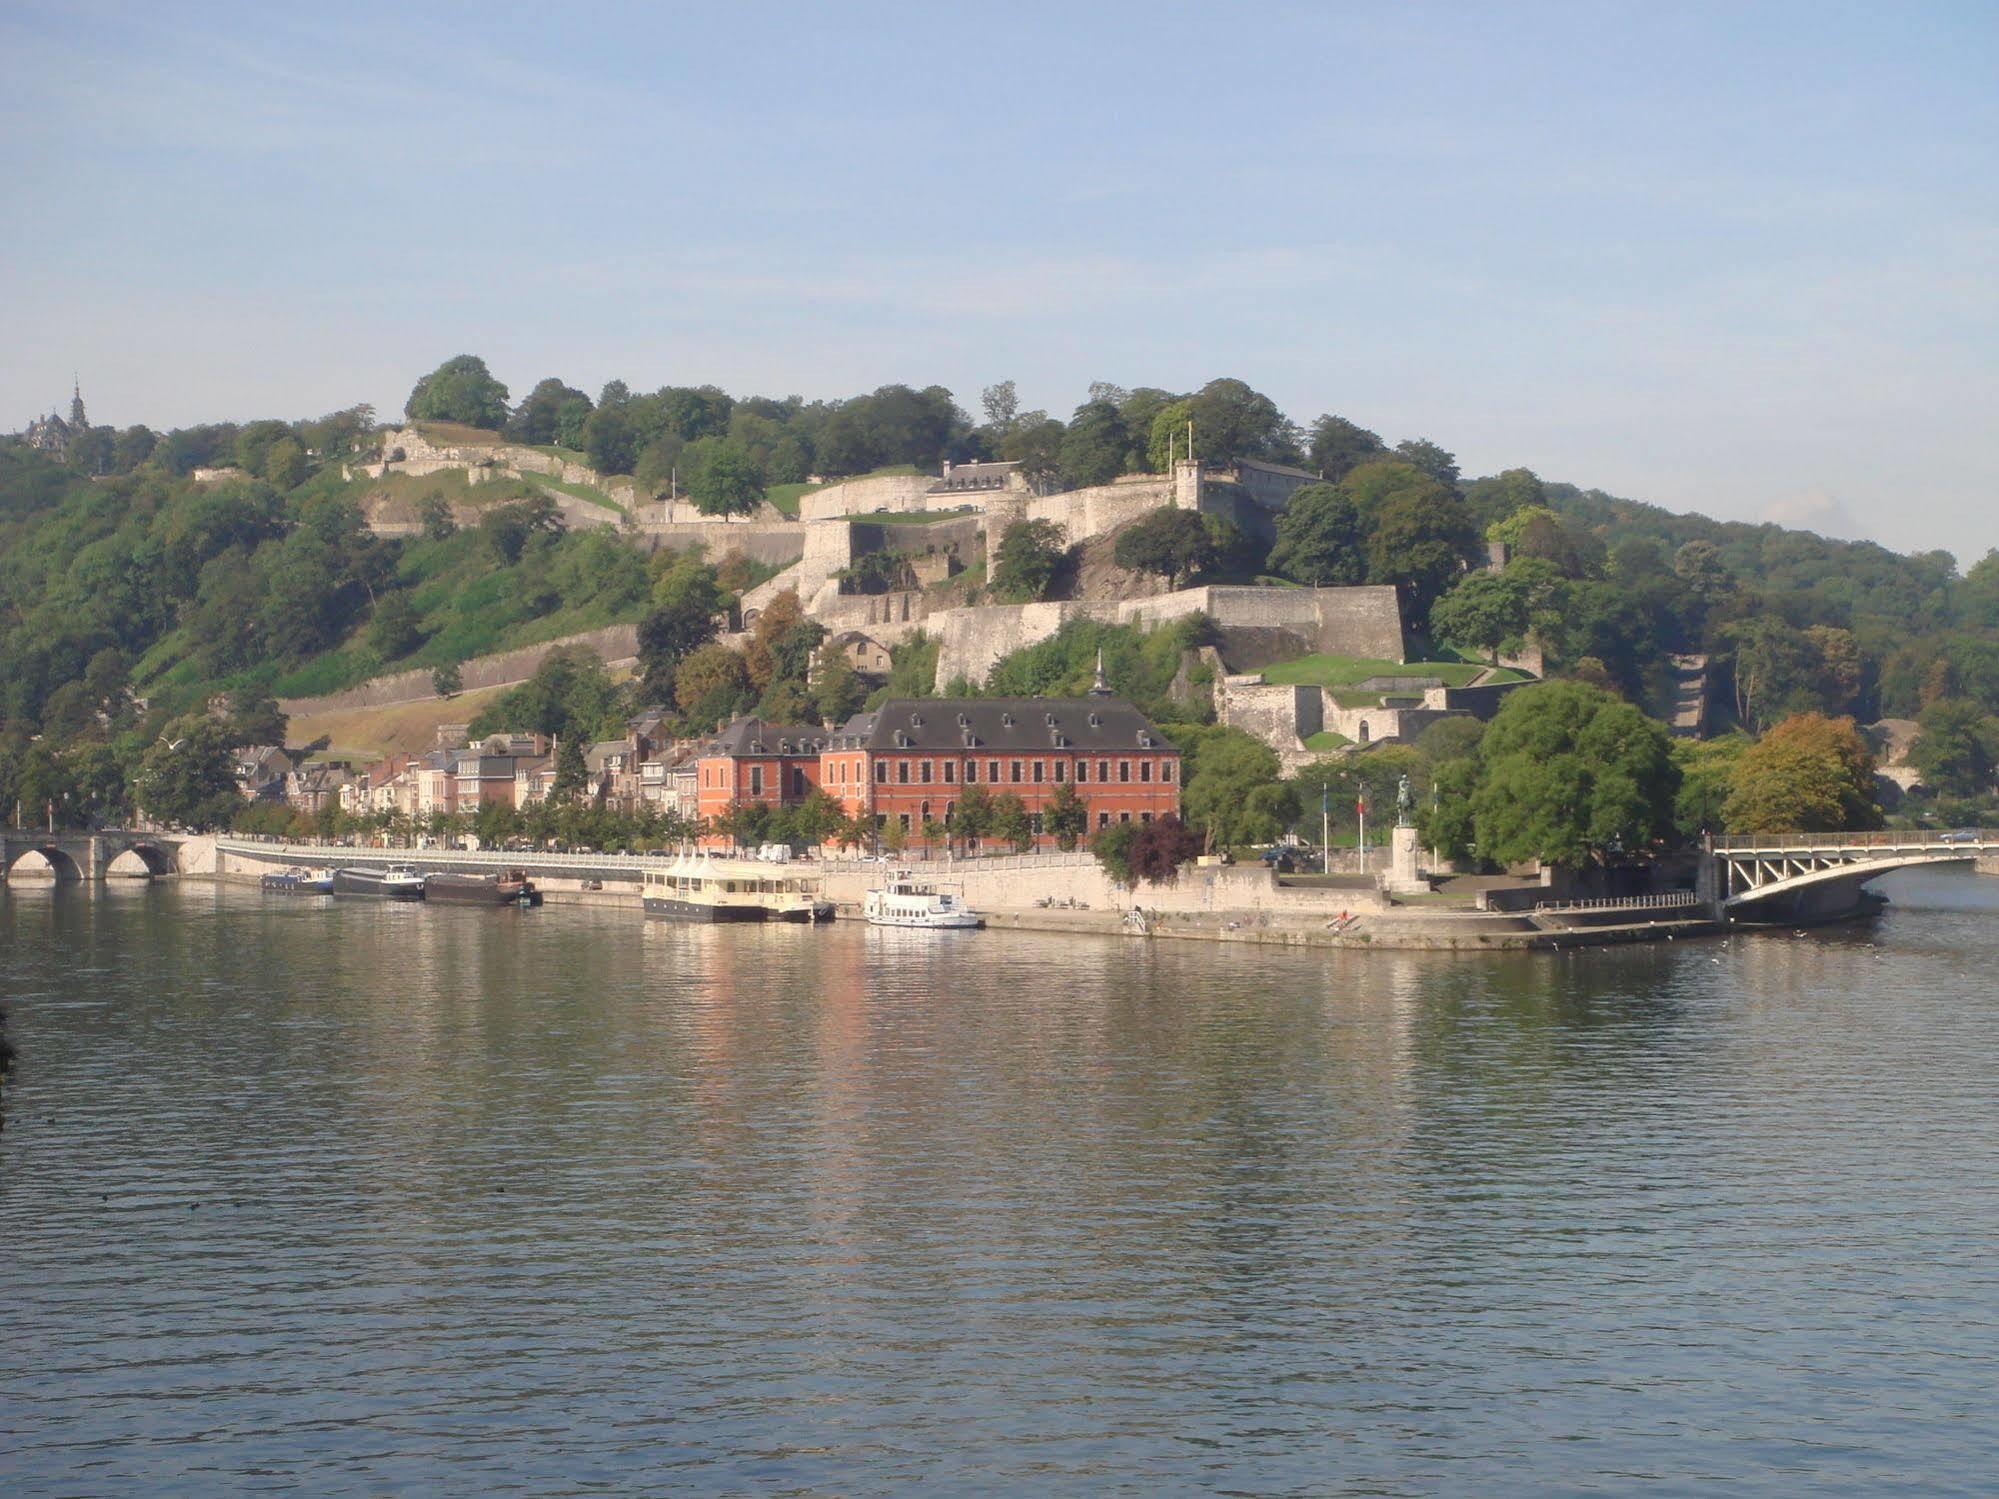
(300, 882)
(697, 887)
(397, 882)
(909, 902)
(512, 888)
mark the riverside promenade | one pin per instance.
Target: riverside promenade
(1071, 893)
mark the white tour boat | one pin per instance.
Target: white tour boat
(699, 887)
(908, 901)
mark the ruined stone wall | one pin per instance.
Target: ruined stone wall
(774, 543)
(614, 644)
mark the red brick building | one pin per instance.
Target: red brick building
(750, 761)
(912, 758)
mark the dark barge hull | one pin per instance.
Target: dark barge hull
(368, 882)
(688, 910)
(479, 890)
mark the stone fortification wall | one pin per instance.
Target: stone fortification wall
(1281, 716)
(774, 543)
(1083, 513)
(614, 644)
(962, 536)
(827, 547)
(876, 493)
(1346, 621)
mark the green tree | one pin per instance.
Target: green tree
(1957, 750)
(1010, 822)
(721, 479)
(572, 773)
(1320, 539)
(610, 439)
(1420, 543)
(461, 389)
(285, 466)
(394, 630)
(1707, 768)
(1233, 421)
(1483, 612)
(447, 681)
(1431, 459)
(1170, 542)
(185, 779)
(710, 682)
(1112, 846)
(1066, 816)
(438, 522)
(540, 418)
(973, 817)
(837, 693)
(1029, 555)
(1236, 792)
(1339, 446)
(1035, 443)
(1568, 771)
(1809, 774)
(1094, 448)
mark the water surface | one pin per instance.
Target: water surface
(357, 1197)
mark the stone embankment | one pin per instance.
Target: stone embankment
(615, 645)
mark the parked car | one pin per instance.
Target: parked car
(1959, 835)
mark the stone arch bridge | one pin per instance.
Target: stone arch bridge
(1805, 877)
(89, 856)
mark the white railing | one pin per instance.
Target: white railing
(1669, 899)
(1892, 840)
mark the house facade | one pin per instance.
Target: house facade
(754, 762)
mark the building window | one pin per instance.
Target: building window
(993, 771)
(798, 780)
(1015, 768)
(881, 770)
(1145, 770)
(1040, 771)
(1103, 819)
(1082, 771)
(756, 780)
(923, 771)
(950, 811)
(903, 818)
(1034, 823)
(926, 811)
(1103, 772)
(1124, 770)
(1124, 817)
(902, 772)
(971, 771)
(1165, 770)
(1363, 731)
(1058, 772)
(950, 770)
(1145, 817)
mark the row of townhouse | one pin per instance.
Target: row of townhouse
(908, 761)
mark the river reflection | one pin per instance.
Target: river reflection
(348, 1196)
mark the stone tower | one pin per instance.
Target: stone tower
(77, 420)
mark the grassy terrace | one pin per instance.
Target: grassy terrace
(1348, 671)
(458, 435)
(786, 496)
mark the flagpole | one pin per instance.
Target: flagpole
(1360, 807)
(1325, 830)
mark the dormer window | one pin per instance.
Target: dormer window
(1096, 721)
(916, 720)
(1006, 720)
(963, 721)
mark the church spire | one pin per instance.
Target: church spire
(76, 417)
(1100, 688)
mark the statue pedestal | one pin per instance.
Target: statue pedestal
(1403, 877)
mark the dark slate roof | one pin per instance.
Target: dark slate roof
(975, 476)
(750, 735)
(1089, 725)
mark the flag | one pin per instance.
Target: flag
(1360, 805)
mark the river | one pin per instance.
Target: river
(362, 1198)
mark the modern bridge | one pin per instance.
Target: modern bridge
(1816, 876)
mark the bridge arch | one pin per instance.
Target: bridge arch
(45, 861)
(138, 859)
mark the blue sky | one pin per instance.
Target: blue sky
(1742, 259)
